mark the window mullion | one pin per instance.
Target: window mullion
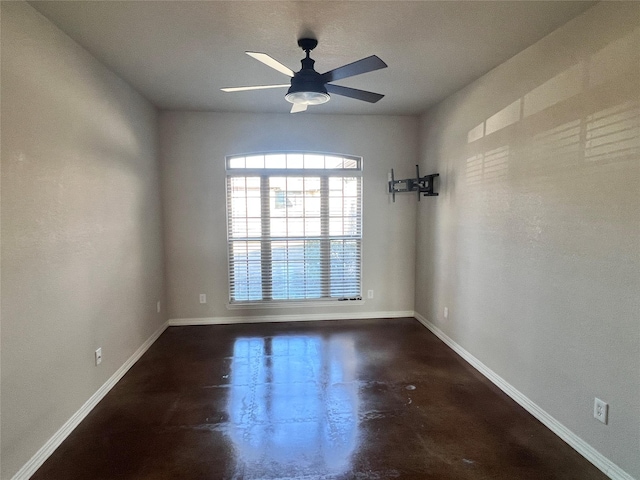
(265, 243)
(325, 245)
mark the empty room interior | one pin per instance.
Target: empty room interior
(417, 257)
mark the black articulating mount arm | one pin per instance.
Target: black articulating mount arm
(422, 185)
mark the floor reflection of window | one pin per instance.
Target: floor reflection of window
(293, 405)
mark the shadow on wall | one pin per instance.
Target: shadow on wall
(580, 127)
(609, 134)
(594, 113)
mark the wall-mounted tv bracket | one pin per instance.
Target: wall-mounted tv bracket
(422, 185)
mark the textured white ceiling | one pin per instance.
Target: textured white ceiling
(179, 54)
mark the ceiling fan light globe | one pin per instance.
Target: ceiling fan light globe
(307, 98)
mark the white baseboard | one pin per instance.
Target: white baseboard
(54, 442)
(583, 448)
(287, 318)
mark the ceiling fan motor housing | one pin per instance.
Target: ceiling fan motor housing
(307, 85)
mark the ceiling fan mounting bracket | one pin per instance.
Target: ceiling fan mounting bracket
(307, 44)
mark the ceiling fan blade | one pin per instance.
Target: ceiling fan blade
(271, 62)
(298, 107)
(365, 65)
(354, 93)
(256, 87)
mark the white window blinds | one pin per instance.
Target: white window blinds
(294, 227)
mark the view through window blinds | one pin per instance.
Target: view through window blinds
(294, 227)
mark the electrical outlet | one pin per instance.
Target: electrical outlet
(446, 312)
(203, 298)
(99, 356)
(369, 293)
(158, 306)
(601, 410)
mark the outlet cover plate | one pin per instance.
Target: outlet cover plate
(601, 410)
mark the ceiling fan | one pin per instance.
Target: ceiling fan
(309, 87)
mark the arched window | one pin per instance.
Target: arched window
(294, 227)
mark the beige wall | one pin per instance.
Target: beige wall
(193, 150)
(82, 253)
(534, 242)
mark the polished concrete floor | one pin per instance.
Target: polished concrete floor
(365, 399)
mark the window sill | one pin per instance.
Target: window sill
(306, 304)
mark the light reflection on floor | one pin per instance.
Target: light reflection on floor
(293, 405)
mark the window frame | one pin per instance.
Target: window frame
(265, 174)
